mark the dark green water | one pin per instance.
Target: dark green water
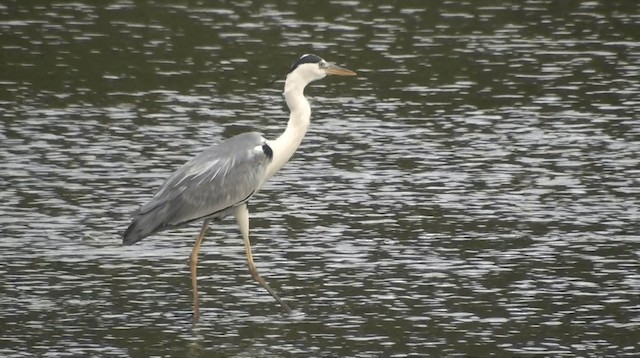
(475, 191)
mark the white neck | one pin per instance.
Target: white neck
(284, 146)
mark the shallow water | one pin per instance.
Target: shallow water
(474, 191)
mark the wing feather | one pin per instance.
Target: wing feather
(209, 185)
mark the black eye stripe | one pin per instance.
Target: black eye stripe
(308, 58)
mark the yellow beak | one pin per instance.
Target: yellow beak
(332, 69)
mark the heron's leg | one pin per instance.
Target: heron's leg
(242, 216)
(193, 265)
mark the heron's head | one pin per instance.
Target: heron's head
(309, 68)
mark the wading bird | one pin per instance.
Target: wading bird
(220, 181)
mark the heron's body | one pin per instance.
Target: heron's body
(193, 192)
(220, 181)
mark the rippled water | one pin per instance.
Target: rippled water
(474, 191)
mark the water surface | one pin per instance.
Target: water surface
(473, 192)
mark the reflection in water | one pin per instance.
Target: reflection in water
(475, 192)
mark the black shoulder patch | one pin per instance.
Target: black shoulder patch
(267, 151)
(307, 58)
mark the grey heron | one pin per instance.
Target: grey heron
(220, 181)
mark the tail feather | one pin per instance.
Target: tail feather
(135, 232)
(143, 225)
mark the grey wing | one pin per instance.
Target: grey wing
(211, 183)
